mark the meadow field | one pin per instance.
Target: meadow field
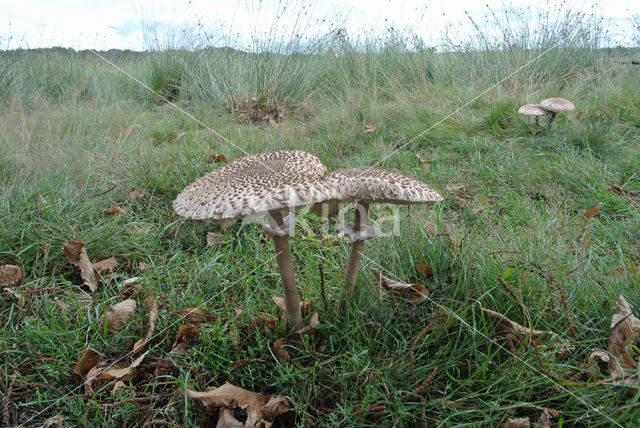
(540, 223)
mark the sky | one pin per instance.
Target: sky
(135, 24)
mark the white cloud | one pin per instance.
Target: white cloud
(118, 24)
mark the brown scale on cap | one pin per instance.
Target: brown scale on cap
(255, 184)
(557, 105)
(376, 185)
(533, 110)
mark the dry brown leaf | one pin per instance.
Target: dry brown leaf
(87, 361)
(414, 293)
(544, 421)
(115, 210)
(226, 224)
(215, 239)
(281, 353)
(217, 158)
(255, 405)
(625, 330)
(517, 423)
(76, 254)
(505, 324)
(184, 336)
(11, 275)
(262, 321)
(153, 316)
(620, 191)
(423, 163)
(593, 211)
(20, 301)
(105, 265)
(369, 128)
(53, 420)
(179, 137)
(135, 194)
(118, 314)
(195, 315)
(424, 269)
(105, 371)
(117, 387)
(226, 419)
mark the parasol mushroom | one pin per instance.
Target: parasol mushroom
(533, 110)
(557, 105)
(264, 183)
(366, 185)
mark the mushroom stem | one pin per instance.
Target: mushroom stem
(353, 264)
(553, 116)
(285, 266)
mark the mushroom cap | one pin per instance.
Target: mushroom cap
(533, 110)
(376, 185)
(557, 105)
(255, 184)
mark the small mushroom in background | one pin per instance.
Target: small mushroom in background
(366, 185)
(557, 105)
(264, 183)
(534, 110)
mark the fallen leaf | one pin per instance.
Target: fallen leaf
(53, 420)
(517, 423)
(579, 114)
(505, 324)
(87, 361)
(625, 331)
(281, 353)
(106, 371)
(620, 191)
(226, 419)
(544, 421)
(153, 316)
(215, 239)
(423, 163)
(179, 137)
(118, 314)
(255, 405)
(142, 266)
(369, 128)
(11, 275)
(184, 336)
(218, 158)
(591, 212)
(20, 301)
(424, 269)
(414, 293)
(261, 321)
(105, 265)
(117, 387)
(76, 254)
(135, 194)
(195, 315)
(279, 300)
(226, 224)
(115, 209)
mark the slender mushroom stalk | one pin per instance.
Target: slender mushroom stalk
(357, 246)
(285, 266)
(359, 225)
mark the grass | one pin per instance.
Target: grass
(76, 137)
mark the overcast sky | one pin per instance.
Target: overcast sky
(119, 24)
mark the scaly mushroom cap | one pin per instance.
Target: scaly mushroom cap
(557, 105)
(256, 184)
(533, 110)
(376, 185)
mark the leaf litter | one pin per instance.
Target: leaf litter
(413, 293)
(76, 254)
(118, 315)
(258, 407)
